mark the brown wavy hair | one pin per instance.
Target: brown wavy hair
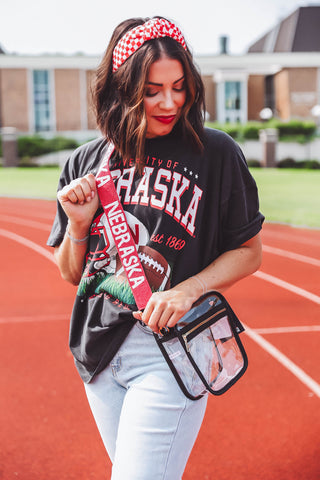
(118, 96)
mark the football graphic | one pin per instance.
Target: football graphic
(156, 268)
(108, 274)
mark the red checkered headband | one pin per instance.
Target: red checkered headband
(135, 38)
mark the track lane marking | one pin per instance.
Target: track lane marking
(33, 318)
(266, 248)
(288, 286)
(27, 223)
(264, 276)
(28, 243)
(297, 329)
(291, 255)
(273, 351)
(284, 360)
(36, 215)
(296, 237)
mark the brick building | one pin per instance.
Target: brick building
(46, 93)
(280, 71)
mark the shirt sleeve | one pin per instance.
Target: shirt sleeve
(60, 222)
(83, 160)
(240, 215)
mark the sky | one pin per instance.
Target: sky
(74, 26)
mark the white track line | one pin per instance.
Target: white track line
(291, 237)
(35, 318)
(297, 329)
(288, 286)
(28, 243)
(285, 361)
(27, 223)
(273, 351)
(291, 255)
(266, 248)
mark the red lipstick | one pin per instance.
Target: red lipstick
(165, 118)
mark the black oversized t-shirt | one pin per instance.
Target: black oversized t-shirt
(185, 211)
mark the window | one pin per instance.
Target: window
(269, 99)
(41, 100)
(232, 95)
(232, 98)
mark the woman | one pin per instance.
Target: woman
(192, 208)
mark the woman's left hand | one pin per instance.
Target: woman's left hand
(165, 309)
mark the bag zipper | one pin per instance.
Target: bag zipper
(185, 335)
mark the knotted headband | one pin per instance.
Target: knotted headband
(135, 38)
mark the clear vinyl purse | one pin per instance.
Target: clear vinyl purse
(204, 351)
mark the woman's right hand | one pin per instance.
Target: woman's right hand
(80, 201)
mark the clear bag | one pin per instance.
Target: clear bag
(204, 351)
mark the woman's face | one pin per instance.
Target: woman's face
(164, 97)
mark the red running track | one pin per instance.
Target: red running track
(265, 428)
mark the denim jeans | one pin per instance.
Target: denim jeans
(147, 424)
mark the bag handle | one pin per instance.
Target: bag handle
(121, 233)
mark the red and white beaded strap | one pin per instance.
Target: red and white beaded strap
(121, 233)
(136, 37)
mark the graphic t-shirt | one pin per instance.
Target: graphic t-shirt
(183, 212)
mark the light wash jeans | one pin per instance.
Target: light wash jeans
(147, 424)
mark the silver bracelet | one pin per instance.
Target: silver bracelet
(202, 283)
(76, 240)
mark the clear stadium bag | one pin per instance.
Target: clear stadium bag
(204, 351)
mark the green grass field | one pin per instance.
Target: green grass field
(289, 195)
(29, 182)
(286, 196)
